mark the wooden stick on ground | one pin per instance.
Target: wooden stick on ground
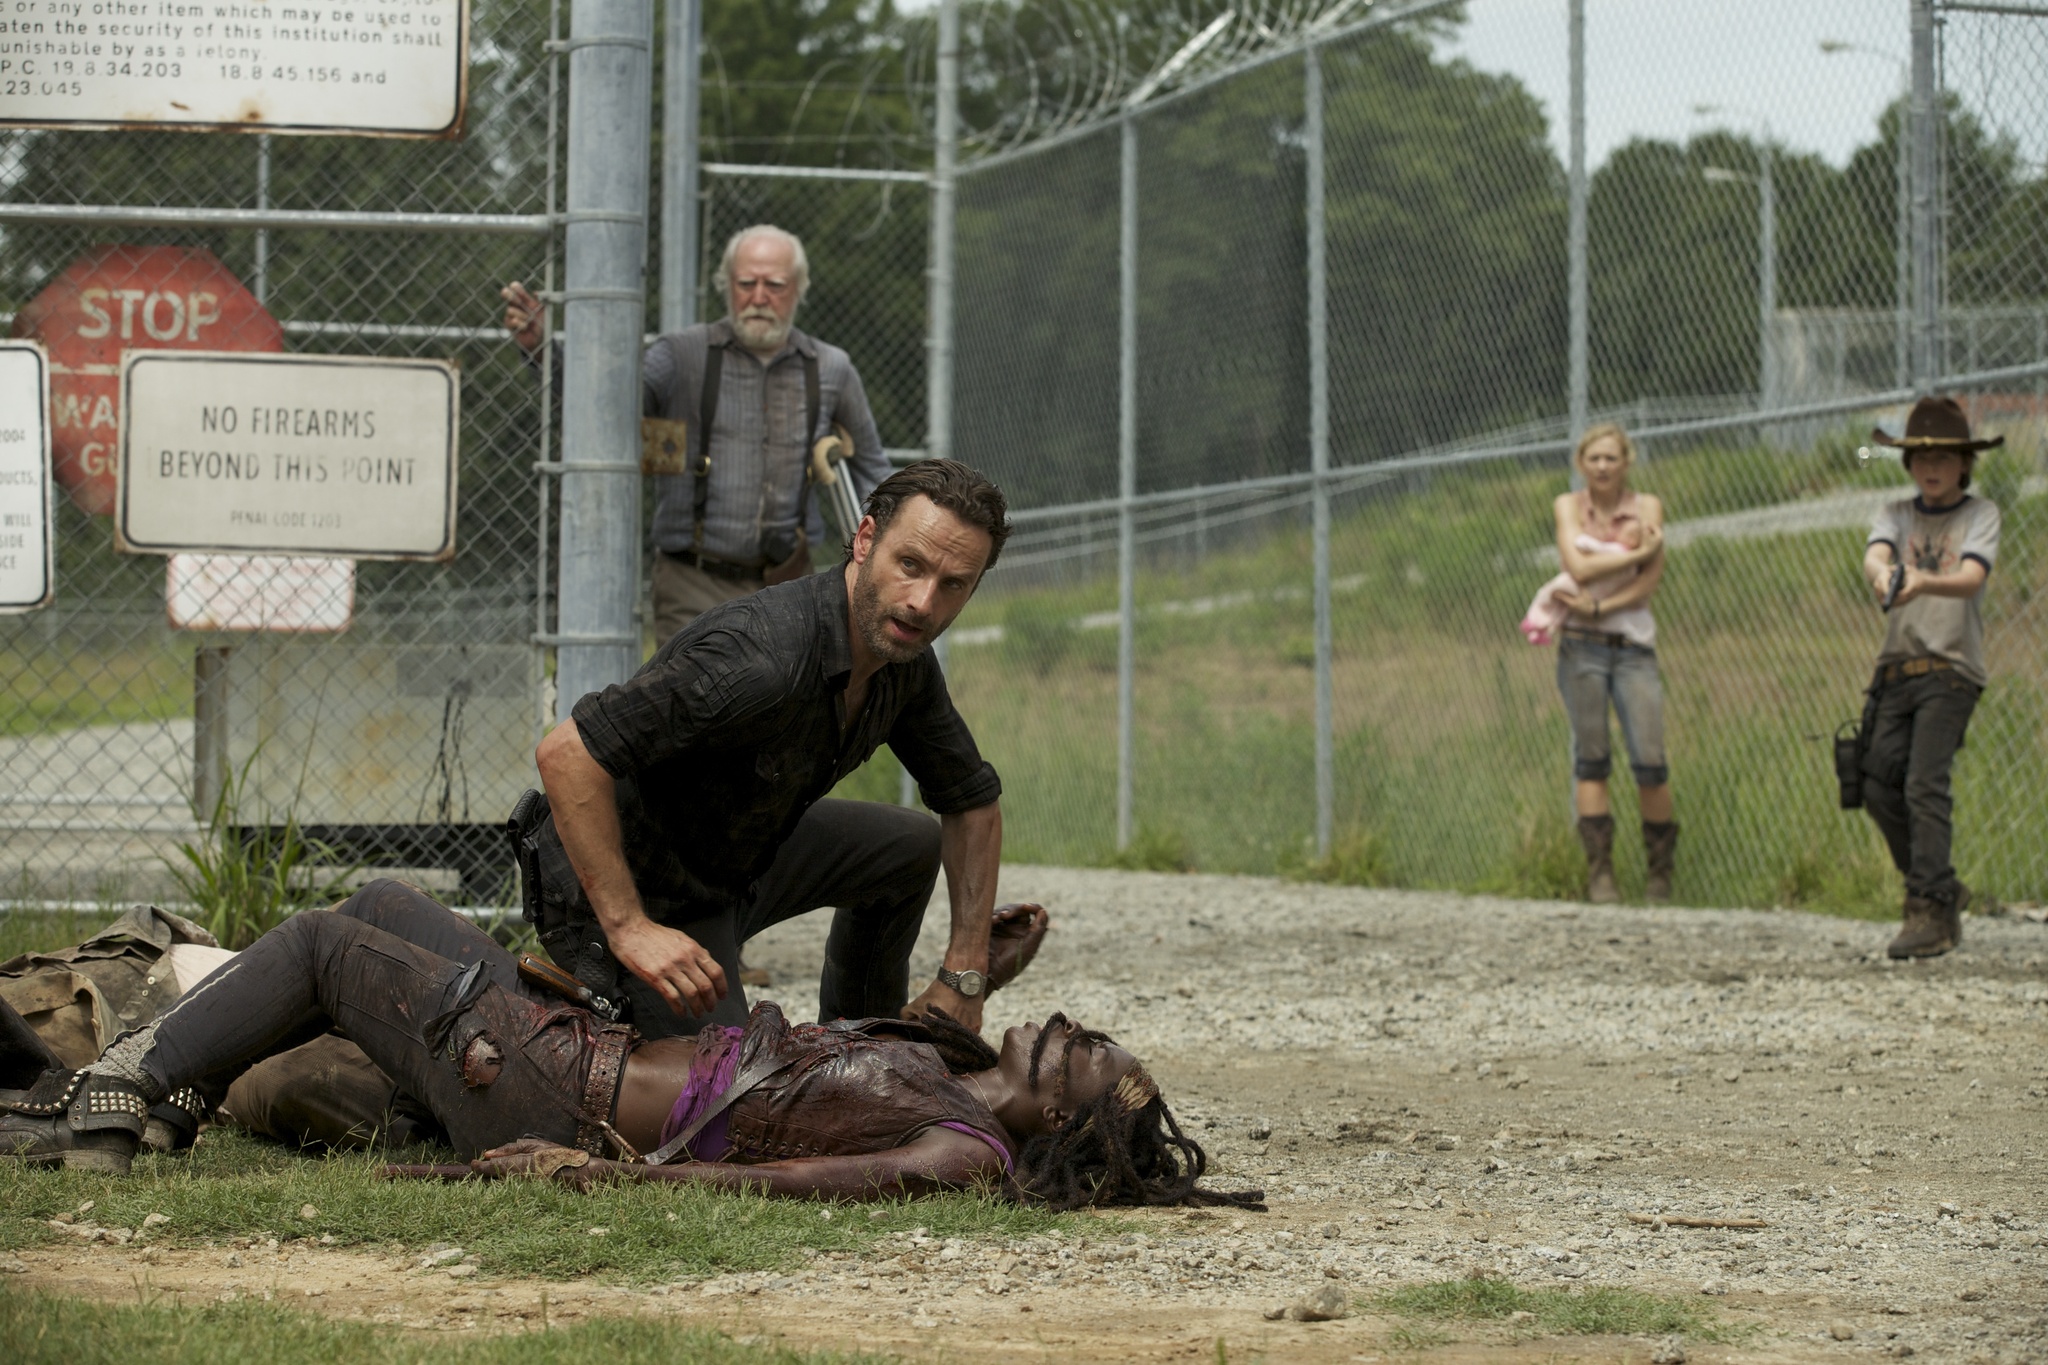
(1672, 1220)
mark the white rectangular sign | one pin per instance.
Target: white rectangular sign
(395, 67)
(287, 454)
(259, 592)
(28, 538)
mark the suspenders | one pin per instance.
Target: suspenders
(707, 412)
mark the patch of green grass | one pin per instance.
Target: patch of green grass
(50, 1329)
(233, 1185)
(1154, 849)
(1590, 1312)
(37, 931)
(1547, 861)
(1852, 887)
(1357, 857)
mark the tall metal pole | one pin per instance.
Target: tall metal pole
(603, 312)
(260, 283)
(1127, 479)
(1767, 276)
(1319, 444)
(1902, 254)
(1922, 110)
(679, 105)
(1575, 229)
(938, 424)
(946, 138)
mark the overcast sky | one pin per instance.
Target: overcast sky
(1648, 62)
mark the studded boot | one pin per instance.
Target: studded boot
(173, 1125)
(1596, 832)
(74, 1118)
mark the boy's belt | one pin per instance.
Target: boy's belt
(1914, 668)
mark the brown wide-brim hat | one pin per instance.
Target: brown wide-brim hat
(1937, 424)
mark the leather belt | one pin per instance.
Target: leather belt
(1612, 639)
(601, 1086)
(717, 568)
(1914, 668)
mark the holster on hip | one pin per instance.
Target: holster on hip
(529, 813)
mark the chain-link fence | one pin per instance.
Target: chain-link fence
(401, 739)
(1161, 395)
(1274, 364)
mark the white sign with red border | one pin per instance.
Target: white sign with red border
(330, 456)
(28, 535)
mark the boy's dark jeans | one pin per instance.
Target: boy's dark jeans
(1913, 742)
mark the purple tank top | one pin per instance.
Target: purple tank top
(711, 1073)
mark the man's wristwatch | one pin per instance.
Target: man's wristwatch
(967, 983)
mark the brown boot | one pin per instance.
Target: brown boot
(1660, 846)
(1952, 914)
(1596, 832)
(1926, 931)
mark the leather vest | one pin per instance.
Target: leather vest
(858, 1086)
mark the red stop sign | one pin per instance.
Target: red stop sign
(112, 299)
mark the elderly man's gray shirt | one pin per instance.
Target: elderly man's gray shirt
(758, 443)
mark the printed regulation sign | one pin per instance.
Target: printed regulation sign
(287, 454)
(395, 67)
(28, 543)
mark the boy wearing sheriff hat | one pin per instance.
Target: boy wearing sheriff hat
(1927, 561)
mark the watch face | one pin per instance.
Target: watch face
(969, 983)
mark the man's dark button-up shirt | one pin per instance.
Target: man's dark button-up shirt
(722, 741)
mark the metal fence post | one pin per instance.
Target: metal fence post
(1578, 382)
(1923, 115)
(604, 301)
(679, 100)
(1127, 477)
(1319, 441)
(938, 440)
(259, 283)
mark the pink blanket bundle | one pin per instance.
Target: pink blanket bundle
(1546, 614)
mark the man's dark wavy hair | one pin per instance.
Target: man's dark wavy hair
(954, 486)
(1105, 1153)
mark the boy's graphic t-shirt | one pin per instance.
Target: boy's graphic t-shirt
(1938, 540)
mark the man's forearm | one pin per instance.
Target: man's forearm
(586, 812)
(971, 850)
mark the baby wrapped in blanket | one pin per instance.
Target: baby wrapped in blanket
(1546, 613)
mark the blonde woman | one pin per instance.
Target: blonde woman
(1611, 542)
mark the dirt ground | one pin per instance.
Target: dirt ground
(1428, 1086)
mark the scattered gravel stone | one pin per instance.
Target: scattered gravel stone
(308, 1212)
(1841, 1331)
(1322, 1305)
(1669, 1351)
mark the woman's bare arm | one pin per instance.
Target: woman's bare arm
(1637, 590)
(1587, 567)
(937, 1159)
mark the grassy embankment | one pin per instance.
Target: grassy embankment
(1451, 747)
(1450, 740)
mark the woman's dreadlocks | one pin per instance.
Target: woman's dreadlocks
(1122, 1147)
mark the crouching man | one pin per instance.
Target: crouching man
(686, 809)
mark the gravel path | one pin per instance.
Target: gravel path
(1429, 1086)
(1437, 1084)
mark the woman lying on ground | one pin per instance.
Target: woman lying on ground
(526, 1083)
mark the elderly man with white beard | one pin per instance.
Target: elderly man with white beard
(742, 514)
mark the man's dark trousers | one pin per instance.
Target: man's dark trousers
(877, 864)
(1913, 742)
